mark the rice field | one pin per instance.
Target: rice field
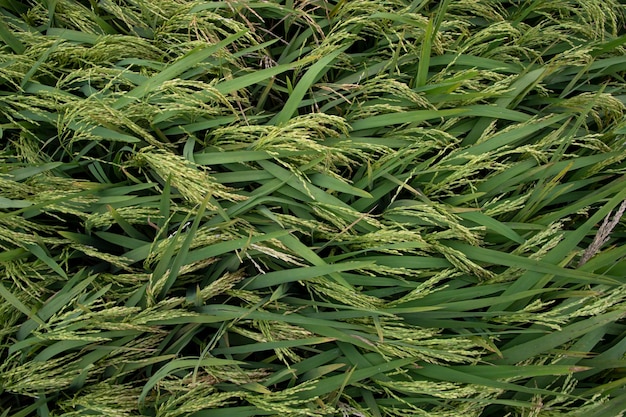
(373, 208)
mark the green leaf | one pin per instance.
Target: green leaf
(181, 364)
(8, 203)
(543, 344)
(183, 64)
(492, 224)
(17, 304)
(314, 73)
(40, 253)
(325, 181)
(302, 274)
(9, 38)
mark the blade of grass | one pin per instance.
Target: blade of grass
(17, 304)
(301, 274)
(543, 344)
(180, 258)
(183, 64)
(9, 38)
(178, 364)
(314, 73)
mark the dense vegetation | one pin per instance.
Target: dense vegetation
(312, 208)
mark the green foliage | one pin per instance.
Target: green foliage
(312, 208)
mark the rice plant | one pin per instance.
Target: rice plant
(312, 208)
